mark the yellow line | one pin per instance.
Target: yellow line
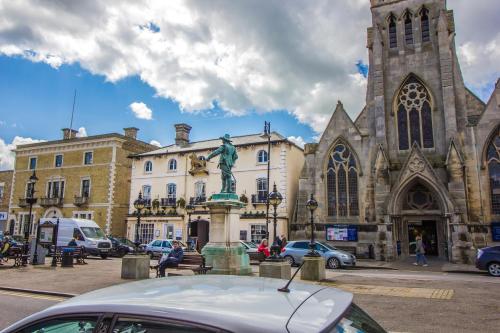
(35, 296)
(441, 294)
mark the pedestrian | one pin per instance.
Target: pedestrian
(4, 248)
(420, 252)
(283, 241)
(172, 259)
(72, 242)
(263, 247)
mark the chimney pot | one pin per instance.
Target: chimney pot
(182, 134)
(131, 132)
(69, 133)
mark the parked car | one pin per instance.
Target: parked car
(120, 246)
(158, 246)
(204, 303)
(488, 259)
(252, 251)
(335, 258)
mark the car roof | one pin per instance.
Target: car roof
(234, 303)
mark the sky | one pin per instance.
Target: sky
(221, 66)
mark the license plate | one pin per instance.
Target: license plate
(104, 250)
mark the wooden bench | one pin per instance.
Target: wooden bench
(257, 256)
(15, 254)
(190, 261)
(79, 254)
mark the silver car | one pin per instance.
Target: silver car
(213, 303)
(335, 258)
(157, 247)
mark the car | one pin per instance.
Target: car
(120, 246)
(252, 251)
(335, 258)
(488, 259)
(204, 303)
(157, 247)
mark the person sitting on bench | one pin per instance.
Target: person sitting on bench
(171, 259)
(72, 242)
(4, 248)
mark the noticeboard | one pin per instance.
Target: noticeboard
(495, 231)
(342, 232)
(46, 233)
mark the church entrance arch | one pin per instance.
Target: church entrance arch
(420, 212)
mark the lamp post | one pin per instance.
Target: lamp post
(275, 199)
(267, 134)
(189, 210)
(139, 205)
(54, 240)
(312, 204)
(30, 200)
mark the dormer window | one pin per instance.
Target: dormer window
(393, 37)
(424, 20)
(408, 29)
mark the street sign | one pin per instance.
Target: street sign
(3, 216)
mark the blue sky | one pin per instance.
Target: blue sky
(37, 101)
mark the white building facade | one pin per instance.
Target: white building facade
(177, 176)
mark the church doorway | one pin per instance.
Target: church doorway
(427, 229)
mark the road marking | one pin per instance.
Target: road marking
(441, 294)
(36, 296)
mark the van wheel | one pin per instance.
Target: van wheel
(104, 256)
(290, 260)
(494, 269)
(333, 263)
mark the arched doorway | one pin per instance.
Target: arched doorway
(199, 232)
(420, 211)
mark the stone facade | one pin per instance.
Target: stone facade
(415, 161)
(181, 168)
(5, 188)
(85, 177)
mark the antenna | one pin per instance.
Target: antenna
(285, 288)
(72, 111)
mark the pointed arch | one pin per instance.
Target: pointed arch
(342, 169)
(413, 105)
(408, 24)
(424, 24)
(392, 31)
(491, 158)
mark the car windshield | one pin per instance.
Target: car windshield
(126, 241)
(356, 320)
(329, 247)
(92, 232)
(250, 245)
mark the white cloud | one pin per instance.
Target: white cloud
(245, 55)
(82, 132)
(7, 156)
(298, 140)
(155, 143)
(141, 110)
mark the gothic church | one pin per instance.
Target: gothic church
(422, 157)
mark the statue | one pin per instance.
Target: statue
(198, 164)
(228, 157)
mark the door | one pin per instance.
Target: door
(428, 231)
(203, 233)
(168, 231)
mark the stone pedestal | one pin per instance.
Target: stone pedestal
(275, 269)
(313, 269)
(135, 267)
(223, 251)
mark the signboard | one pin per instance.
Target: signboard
(495, 231)
(342, 232)
(46, 233)
(3, 216)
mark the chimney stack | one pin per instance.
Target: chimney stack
(131, 132)
(69, 133)
(182, 134)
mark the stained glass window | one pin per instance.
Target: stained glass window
(424, 19)
(408, 29)
(342, 182)
(494, 173)
(414, 114)
(393, 38)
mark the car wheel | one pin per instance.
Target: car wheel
(104, 255)
(151, 255)
(333, 263)
(122, 253)
(290, 260)
(494, 269)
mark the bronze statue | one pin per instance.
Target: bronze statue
(228, 157)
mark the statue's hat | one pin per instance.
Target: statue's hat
(226, 138)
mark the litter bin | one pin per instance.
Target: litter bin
(67, 257)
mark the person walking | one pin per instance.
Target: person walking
(172, 259)
(263, 247)
(420, 252)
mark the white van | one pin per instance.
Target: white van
(86, 233)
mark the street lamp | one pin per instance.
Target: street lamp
(139, 205)
(275, 199)
(31, 200)
(189, 210)
(312, 204)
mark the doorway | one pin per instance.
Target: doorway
(199, 232)
(428, 230)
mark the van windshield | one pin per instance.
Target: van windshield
(92, 232)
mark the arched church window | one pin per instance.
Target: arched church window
(424, 22)
(414, 115)
(393, 38)
(342, 182)
(493, 161)
(408, 29)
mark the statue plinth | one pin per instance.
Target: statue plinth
(223, 251)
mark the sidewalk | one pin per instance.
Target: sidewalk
(435, 265)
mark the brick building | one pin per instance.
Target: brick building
(84, 177)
